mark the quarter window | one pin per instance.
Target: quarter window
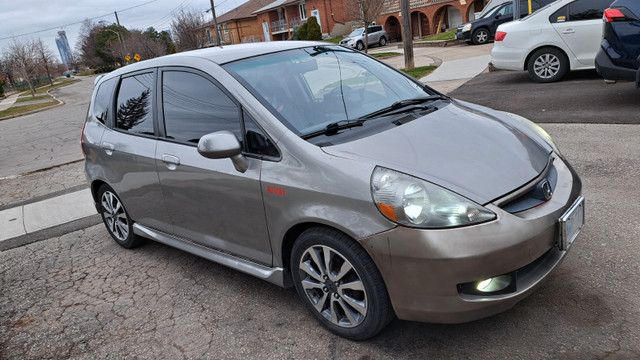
(134, 104)
(193, 106)
(103, 100)
(257, 141)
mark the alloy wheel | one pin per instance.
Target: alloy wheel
(546, 66)
(114, 216)
(333, 286)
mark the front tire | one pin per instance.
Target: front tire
(116, 219)
(360, 45)
(547, 65)
(340, 284)
(480, 36)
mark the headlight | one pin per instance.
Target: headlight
(466, 27)
(535, 128)
(413, 202)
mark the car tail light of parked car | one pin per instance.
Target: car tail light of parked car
(621, 14)
(500, 35)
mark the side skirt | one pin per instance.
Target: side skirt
(276, 275)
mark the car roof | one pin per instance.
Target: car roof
(219, 55)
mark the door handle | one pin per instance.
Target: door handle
(170, 161)
(569, 31)
(108, 147)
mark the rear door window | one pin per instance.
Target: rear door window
(587, 9)
(135, 97)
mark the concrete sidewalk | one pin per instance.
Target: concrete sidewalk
(45, 214)
(9, 101)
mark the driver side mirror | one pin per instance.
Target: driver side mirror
(223, 144)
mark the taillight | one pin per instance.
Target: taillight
(500, 35)
(82, 137)
(612, 15)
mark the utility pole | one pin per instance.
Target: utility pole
(215, 23)
(120, 35)
(407, 35)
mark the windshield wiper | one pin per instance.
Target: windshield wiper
(404, 103)
(333, 128)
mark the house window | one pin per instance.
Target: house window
(226, 30)
(303, 11)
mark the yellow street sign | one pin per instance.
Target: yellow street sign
(127, 57)
(137, 57)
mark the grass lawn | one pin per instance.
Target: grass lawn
(17, 110)
(44, 89)
(335, 40)
(39, 97)
(383, 55)
(449, 35)
(421, 71)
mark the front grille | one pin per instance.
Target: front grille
(534, 193)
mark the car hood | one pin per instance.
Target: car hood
(477, 152)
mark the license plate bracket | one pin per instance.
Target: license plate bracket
(571, 223)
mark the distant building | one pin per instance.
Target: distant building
(64, 49)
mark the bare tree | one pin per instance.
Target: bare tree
(24, 61)
(366, 12)
(187, 30)
(86, 46)
(141, 43)
(45, 55)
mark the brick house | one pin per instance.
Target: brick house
(239, 25)
(427, 15)
(280, 17)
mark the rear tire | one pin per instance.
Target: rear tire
(116, 219)
(383, 41)
(547, 65)
(340, 284)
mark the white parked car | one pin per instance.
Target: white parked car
(564, 35)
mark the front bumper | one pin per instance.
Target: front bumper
(463, 35)
(423, 268)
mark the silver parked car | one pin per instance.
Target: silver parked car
(313, 165)
(376, 36)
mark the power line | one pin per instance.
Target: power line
(77, 22)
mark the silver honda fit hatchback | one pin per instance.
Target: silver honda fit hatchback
(315, 166)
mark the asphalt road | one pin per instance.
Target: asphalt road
(47, 138)
(82, 296)
(582, 97)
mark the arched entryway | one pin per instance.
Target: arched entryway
(392, 27)
(446, 17)
(419, 25)
(475, 8)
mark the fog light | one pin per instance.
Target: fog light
(494, 284)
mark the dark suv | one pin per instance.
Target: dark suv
(619, 55)
(482, 30)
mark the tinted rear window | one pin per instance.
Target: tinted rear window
(134, 104)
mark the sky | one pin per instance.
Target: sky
(33, 19)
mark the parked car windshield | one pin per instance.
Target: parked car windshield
(356, 32)
(490, 12)
(309, 88)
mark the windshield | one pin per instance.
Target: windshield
(490, 12)
(356, 32)
(310, 88)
